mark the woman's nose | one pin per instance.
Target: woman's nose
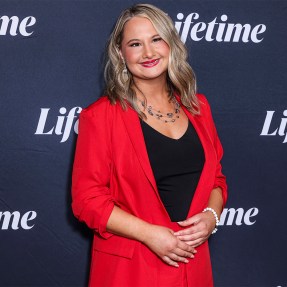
(148, 51)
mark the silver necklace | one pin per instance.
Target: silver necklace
(164, 117)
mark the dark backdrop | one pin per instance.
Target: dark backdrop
(51, 64)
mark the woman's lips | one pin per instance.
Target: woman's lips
(150, 64)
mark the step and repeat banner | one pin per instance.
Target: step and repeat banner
(51, 67)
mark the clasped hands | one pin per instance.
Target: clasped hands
(173, 247)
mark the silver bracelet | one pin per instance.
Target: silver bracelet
(215, 216)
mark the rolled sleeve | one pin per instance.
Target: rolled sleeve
(92, 201)
(220, 179)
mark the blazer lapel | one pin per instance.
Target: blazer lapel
(202, 192)
(132, 123)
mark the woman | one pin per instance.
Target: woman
(147, 175)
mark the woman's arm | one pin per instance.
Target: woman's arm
(200, 226)
(159, 239)
(216, 201)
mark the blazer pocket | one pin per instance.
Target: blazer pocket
(115, 245)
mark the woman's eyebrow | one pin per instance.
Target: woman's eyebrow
(131, 40)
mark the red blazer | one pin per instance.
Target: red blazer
(111, 167)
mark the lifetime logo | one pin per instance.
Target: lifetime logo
(14, 220)
(64, 123)
(280, 128)
(217, 30)
(13, 25)
(232, 216)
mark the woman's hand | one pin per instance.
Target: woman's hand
(199, 228)
(167, 246)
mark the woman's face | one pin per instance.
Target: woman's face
(145, 53)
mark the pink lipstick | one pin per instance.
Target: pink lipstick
(150, 64)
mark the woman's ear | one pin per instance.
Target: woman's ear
(121, 55)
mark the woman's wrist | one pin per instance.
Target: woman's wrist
(145, 232)
(215, 217)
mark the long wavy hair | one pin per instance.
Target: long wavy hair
(180, 76)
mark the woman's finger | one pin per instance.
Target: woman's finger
(185, 247)
(189, 221)
(197, 230)
(197, 242)
(184, 253)
(190, 236)
(190, 230)
(198, 235)
(176, 257)
(169, 261)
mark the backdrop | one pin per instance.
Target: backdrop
(51, 62)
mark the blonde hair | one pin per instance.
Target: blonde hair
(180, 76)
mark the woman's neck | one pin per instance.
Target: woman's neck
(155, 91)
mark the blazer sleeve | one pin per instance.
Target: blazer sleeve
(220, 179)
(92, 201)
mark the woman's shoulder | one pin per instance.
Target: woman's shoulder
(101, 106)
(202, 99)
(203, 104)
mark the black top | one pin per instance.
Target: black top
(177, 165)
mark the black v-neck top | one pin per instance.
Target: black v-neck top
(177, 165)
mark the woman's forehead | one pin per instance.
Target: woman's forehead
(139, 26)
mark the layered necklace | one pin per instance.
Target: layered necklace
(170, 117)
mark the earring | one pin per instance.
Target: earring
(125, 73)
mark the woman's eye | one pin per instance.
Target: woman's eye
(134, 44)
(157, 39)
